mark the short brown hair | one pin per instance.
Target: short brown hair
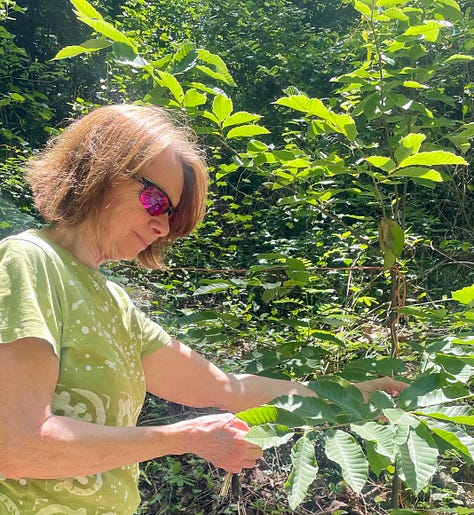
(71, 175)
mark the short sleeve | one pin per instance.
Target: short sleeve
(30, 304)
(151, 335)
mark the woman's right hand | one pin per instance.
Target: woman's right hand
(220, 439)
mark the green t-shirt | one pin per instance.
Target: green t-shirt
(99, 337)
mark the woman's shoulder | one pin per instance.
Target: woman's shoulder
(28, 244)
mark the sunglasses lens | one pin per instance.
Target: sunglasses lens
(154, 201)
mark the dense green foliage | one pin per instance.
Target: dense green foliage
(339, 235)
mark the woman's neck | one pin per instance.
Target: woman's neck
(78, 241)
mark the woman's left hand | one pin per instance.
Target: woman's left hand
(385, 384)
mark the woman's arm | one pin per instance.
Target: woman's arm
(179, 374)
(35, 443)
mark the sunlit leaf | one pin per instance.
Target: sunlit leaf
(222, 107)
(459, 58)
(86, 9)
(89, 46)
(382, 436)
(247, 131)
(409, 145)
(447, 430)
(343, 449)
(396, 14)
(170, 82)
(465, 420)
(384, 163)
(219, 69)
(429, 31)
(362, 8)
(464, 295)
(109, 31)
(271, 414)
(454, 442)
(268, 435)
(413, 84)
(240, 118)
(433, 158)
(213, 288)
(459, 367)
(418, 458)
(303, 472)
(419, 173)
(342, 123)
(194, 98)
(314, 410)
(400, 417)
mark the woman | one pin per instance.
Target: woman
(123, 182)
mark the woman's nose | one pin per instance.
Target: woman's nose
(161, 225)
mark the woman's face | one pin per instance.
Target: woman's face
(125, 227)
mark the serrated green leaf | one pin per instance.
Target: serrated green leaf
(464, 419)
(384, 163)
(418, 458)
(453, 441)
(89, 46)
(342, 123)
(261, 415)
(312, 409)
(342, 448)
(459, 367)
(170, 82)
(194, 98)
(433, 158)
(271, 414)
(219, 68)
(267, 436)
(409, 145)
(420, 387)
(401, 418)
(419, 173)
(381, 435)
(247, 131)
(344, 395)
(429, 31)
(304, 471)
(71, 51)
(183, 59)
(444, 429)
(222, 107)
(240, 118)
(108, 30)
